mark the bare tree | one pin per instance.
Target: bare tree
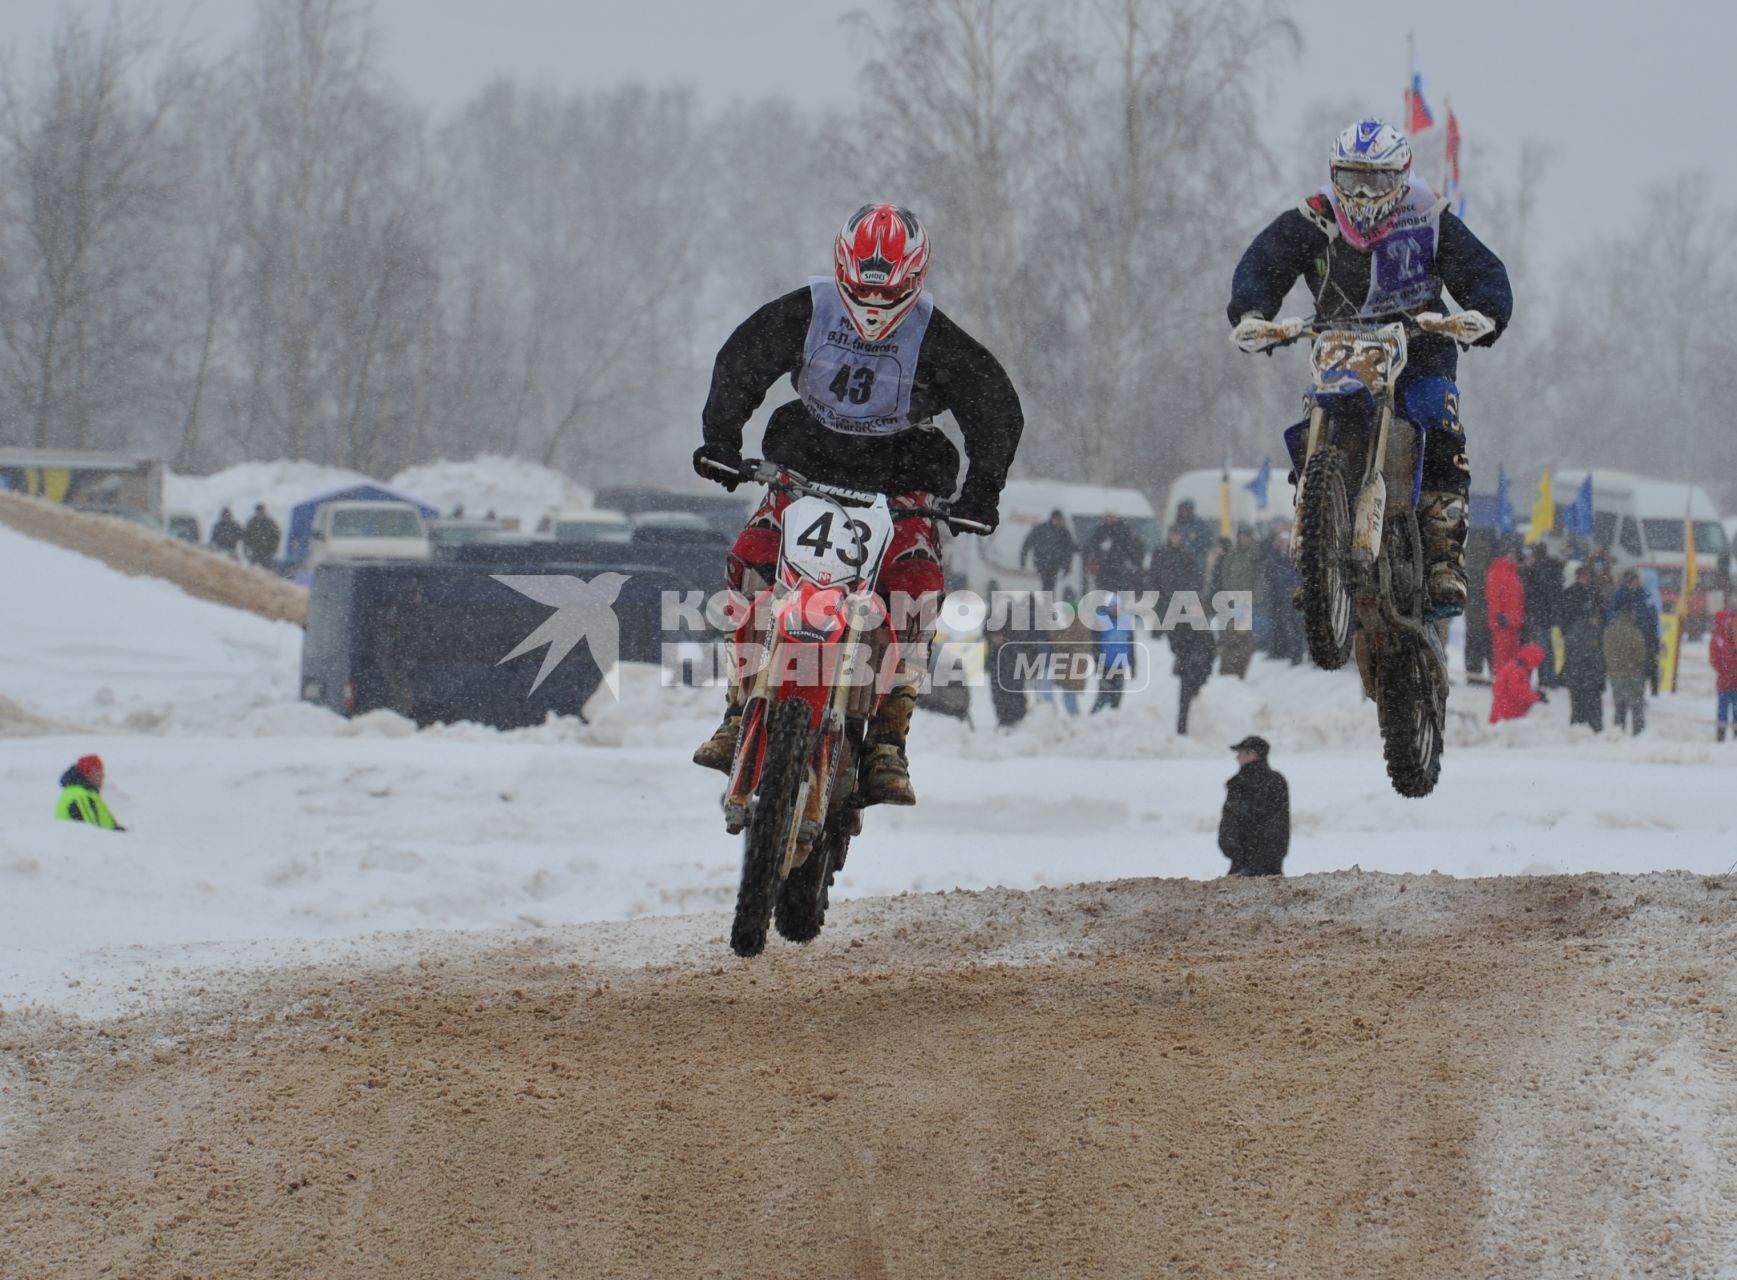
(86, 191)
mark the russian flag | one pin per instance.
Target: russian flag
(1418, 116)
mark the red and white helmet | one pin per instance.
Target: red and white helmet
(880, 262)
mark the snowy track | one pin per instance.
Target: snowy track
(1349, 1074)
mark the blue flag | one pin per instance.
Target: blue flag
(1577, 520)
(1504, 504)
(1258, 486)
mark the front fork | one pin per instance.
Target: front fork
(1371, 510)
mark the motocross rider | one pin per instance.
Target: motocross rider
(1376, 244)
(873, 362)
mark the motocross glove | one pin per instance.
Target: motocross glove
(1253, 333)
(1464, 327)
(720, 464)
(976, 508)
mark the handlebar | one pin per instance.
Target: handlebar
(758, 470)
(1315, 326)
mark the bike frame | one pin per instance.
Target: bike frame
(1356, 366)
(824, 630)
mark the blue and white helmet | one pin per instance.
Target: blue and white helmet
(1370, 168)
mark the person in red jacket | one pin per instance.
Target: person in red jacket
(1505, 600)
(1514, 694)
(1723, 652)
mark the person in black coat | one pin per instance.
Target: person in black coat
(1255, 831)
(226, 534)
(260, 537)
(1050, 548)
(1542, 578)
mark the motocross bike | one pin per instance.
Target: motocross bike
(1357, 545)
(811, 648)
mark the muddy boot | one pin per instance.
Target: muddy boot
(1441, 518)
(719, 751)
(886, 775)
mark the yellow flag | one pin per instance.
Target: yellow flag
(1689, 568)
(1224, 505)
(1543, 511)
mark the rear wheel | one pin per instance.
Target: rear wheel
(769, 824)
(1325, 527)
(802, 898)
(1412, 707)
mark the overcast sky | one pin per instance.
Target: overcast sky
(1624, 93)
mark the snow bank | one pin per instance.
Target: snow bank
(507, 486)
(510, 487)
(100, 648)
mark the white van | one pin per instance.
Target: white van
(1202, 489)
(992, 564)
(367, 531)
(1640, 518)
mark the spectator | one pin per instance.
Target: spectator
(1197, 535)
(1051, 549)
(1583, 665)
(1174, 568)
(81, 798)
(1541, 576)
(226, 534)
(1254, 831)
(1238, 569)
(1632, 597)
(1114, 554)
(1480, 550)
(1278, 589)
(1513, 695)
(1193, 648)
(260, 537)
(1625, 662)
(1074, 650)
(1603, 566)
(1006, 683)
(1580, 594)
(1116, 655)
(1505, 599)
(1722, 650)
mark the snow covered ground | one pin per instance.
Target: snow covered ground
(261, 827)
(506, 486)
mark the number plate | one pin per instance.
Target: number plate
(835, 545)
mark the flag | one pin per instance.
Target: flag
(1224, 502)
(1450, 187)
(1504, 504)
(1417, 113)
(1543, 511)
(1258, 486)
(1691, 570)
(1578, 520)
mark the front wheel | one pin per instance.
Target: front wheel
(1411, 705)
(1324, 524)
(769, 825)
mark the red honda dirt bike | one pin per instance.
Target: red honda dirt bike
(817, 666)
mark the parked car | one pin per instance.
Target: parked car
(184, 525)
(344, 531)
(584, 524)
(726, 513)
(445, 532)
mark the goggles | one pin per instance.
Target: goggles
(1367, 184)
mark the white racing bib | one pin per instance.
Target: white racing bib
(850, 384)
(833, 545)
